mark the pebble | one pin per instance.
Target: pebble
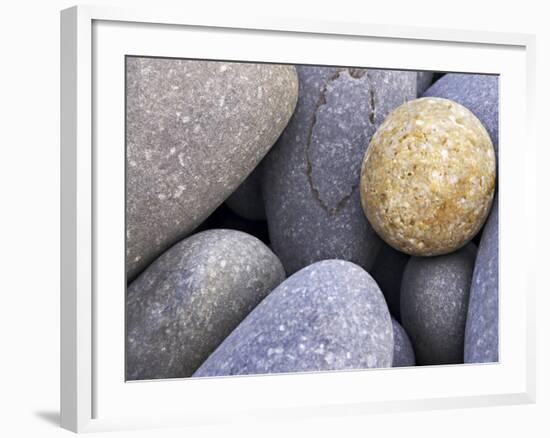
(423, 82)
(195, 131)
(481, 339)
(310, 178)
(434, 305)
(191, 298)
(403, 352)
(328, 316)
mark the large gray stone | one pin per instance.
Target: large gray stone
(328, 316)
(194, 131)
(388, 271)
(311, 176)
(185, 304)
(247, 200)
(481, 339)
(403, 352)
(478, 93)
(434, 305)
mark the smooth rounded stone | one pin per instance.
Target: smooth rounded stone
(247, 200)
(403, 352)
(481, 338)
(195, 130)
(423, 82)
(310, 178)
(434, 305)
(388, 271)
(428, 177)
(329, 316)
(477, 92)
(186, 303)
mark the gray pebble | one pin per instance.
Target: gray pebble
(311, 176)
(423, 81)
(388, 271)
(195, 130)
(403, 352)
(247, 200)
(478, 93)
(434, 304)
(481, 341)
(328, 316)
(185, 304)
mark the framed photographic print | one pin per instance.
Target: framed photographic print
(256, 208)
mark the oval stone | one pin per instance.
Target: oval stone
(481, 339)
(310, 179)
(328, 316)
(478, 93)
(403, 352)
(194, 131)
(434, 305)
(185, 304)
(428, 177)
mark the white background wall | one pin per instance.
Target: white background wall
(29, 217)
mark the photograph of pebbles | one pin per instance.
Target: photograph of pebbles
(297, 218)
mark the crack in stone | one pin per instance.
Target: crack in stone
(356, 74)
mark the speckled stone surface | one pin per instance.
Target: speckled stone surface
(388, 271)
(194, 131)
(310, 180)
(428, 177)
(185, 304)
(434, 304)
(423, 82)
(403, 352)
(247, 200)
(478, 93)
(328, 316)
(481, 340)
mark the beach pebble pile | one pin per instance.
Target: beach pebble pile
(284, 219)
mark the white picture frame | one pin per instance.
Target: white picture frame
(94, 41)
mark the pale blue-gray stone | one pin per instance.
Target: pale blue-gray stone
(403, 352)
(186, 303)
(481, 341)
(434, 305)
(328, 316)
(423, 81)
(311, 176)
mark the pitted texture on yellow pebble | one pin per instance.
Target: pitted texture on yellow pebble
(428, 177)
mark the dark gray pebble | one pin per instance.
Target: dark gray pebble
(328, 316)
(423, 82)
(434, 305)
(186, 303)
(478, 93)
